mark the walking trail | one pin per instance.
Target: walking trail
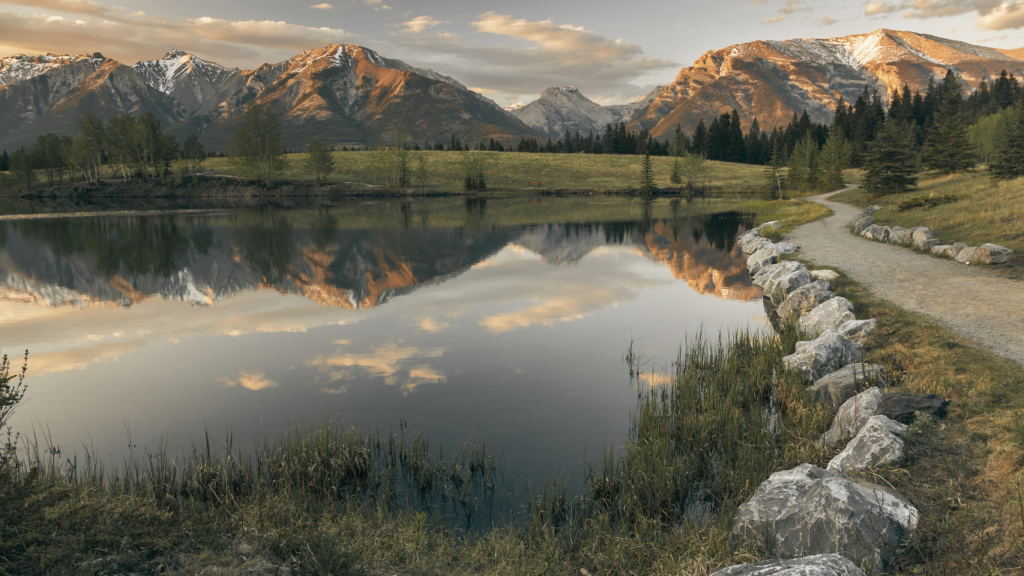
(971, 300)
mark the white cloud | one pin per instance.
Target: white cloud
(1008, 15)
(324, 6)
(421, 23)
(249, 381)
(773, 19)
(825, 21)
(875, 8)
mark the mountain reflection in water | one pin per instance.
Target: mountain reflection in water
(499, 320)
(120, 261)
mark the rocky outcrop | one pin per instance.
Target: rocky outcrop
(905, 408)
(838, 387)
(765, 256)
(829, 315)
(808, 510)
(922, 238)
(803, 300)
(823, 355)
(818, 565)
(879, 443)
(853, 415)
(857, 330)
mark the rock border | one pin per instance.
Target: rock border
(922, 238)
(792, 505)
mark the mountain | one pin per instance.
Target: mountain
(771, 80)
(351, 95)
(196, 84)
(342, 94)
(49, 94)
(566, 108)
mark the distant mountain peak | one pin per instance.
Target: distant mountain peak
(21, 67)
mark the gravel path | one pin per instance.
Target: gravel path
(971, 300)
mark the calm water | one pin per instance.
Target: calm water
(501, 320)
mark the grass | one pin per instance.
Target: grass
(334, 500)
(971, 208)
(965, 473)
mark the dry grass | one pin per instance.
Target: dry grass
(963, 472)
(987, 210)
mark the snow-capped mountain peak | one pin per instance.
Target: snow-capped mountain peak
(22, 67)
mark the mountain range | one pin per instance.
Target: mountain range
(350, 95)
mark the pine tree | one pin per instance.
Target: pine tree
(835, 157)
(772, 179)
(646, 174)
(803, 165)
(1009, 157)
(890, 161)
(676, 177)
(949, 146)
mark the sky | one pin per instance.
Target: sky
(614, 52)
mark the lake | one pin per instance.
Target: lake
(505, 320)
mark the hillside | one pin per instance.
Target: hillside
(772, 80)
(566, 109)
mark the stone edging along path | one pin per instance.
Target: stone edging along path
(825, 521)
(971, 300)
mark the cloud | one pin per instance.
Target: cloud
(432, 326)
(421, 23)
(875, 8)
(81, 7)
(390, 361)
(773, 19)
(249, 381)
(825, 21)
(232, 42)
(542, 54)
(1009, 15)
(941, 8)
(791, 7)
(323, 6)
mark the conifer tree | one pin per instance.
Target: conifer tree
(676, 176)
(803, 165)
(890, 161)
(949, 147)
(772, 179)
(835, 157)
(646, 174)
(1009, 157)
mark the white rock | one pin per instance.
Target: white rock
(853, 415)
(830, 314)
(755, 245)
(770, 273)
(826, 275)
(992, 254)
(803, 300)
(857, 330)
(942, 250)
(897, 235)
(765, 256)
(808, 510)
(879, 442)
(786, 247)
(860, 222)
(838, 387)
(957, 248)
(818, 565)
(823, 355)
(966, 255)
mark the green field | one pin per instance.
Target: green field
(971, 208)
(514, 171)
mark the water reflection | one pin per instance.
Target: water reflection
(470, 318)
(124, 260)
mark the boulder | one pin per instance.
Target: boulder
(770, 273)
(897, 235)
(804, 299)
(773, 224)
(786, 247)
(966, 255)
(922, 238)
(838, 387)
(808, 510)
(957, 248)
(765, 256)
(857, 330)
(879, 443)
(853, 415)
(905, 408)
(747, 236)
(871, 209)
(818, 565)
(942, 250)
(755, 245)
(992, 254)
(876, 232)
(823, 355)
(860, 222)
(830, 314)
(826, 275)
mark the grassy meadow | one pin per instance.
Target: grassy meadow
(970, 207)
(513, 171)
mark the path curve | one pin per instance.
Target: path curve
(971, 300)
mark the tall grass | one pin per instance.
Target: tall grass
(696, 449)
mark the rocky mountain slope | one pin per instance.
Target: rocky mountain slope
(342, 94)
(49, 94)
(770, 80)
(561, 109)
